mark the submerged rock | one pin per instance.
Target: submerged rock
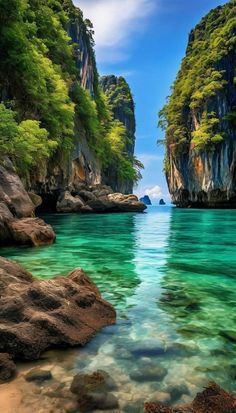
(99, 381)
(212, 400)
(38, 375)
(148, 373)
(38, 314)
(148, 348)
(93, 391)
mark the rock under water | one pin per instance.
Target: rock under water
(212, 400)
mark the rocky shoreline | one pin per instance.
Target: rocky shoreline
(18, 224)
(66, 312)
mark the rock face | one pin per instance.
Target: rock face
(13, 193)
(146, 200)
(200, 117)
(76, 119)
(15, 206)
(83, 166)
(38, 314)
(98, 198)
(212, 400)
(121, 101)
(31, 231)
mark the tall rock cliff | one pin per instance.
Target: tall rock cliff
(56, 126)
(200, 116)
(120, 99)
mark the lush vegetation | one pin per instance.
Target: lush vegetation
(43, 101)
(188, 115)
(121, 136)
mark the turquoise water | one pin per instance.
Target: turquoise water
(171, 274)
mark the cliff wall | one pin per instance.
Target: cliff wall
(120, 99)
(57, 128)
(200, 116)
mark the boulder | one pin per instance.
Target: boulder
(36, 199)
(93, 391)
(7, 367)
(13, 193)
(69, 203)
(17, 225)
(38, 375)
(99, 381)
(32, 231)
(127, 203)
(100, 199)
(212, 400)
(87, 195)
(39, 314)
(148, 373)
(5, 218)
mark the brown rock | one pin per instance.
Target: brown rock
(38, 375)
(115, 202)
(212, 400)
(87, 195)
(38, 314)
(12, 192)
(16, 203)
(5, 218)
(7, 367)
(32, 231)
(69, 203)
(93, 391)
(127, 203)
(36, 199)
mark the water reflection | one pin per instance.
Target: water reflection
(104, 245)
(199, 288)
(171, 275)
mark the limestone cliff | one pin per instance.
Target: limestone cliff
(121, 101)
(199, 118)
(56, 126)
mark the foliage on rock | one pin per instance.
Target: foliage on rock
(41, 88)
(189, 115)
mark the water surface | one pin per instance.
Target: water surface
(171, 274)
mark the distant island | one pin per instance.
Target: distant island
(146, 200)
(162, 202)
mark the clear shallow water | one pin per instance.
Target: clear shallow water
(171, 274)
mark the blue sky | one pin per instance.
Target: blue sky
(144, 41)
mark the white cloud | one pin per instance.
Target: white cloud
(154, 193)
(114, 22)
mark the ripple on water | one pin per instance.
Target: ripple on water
(171, 274)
